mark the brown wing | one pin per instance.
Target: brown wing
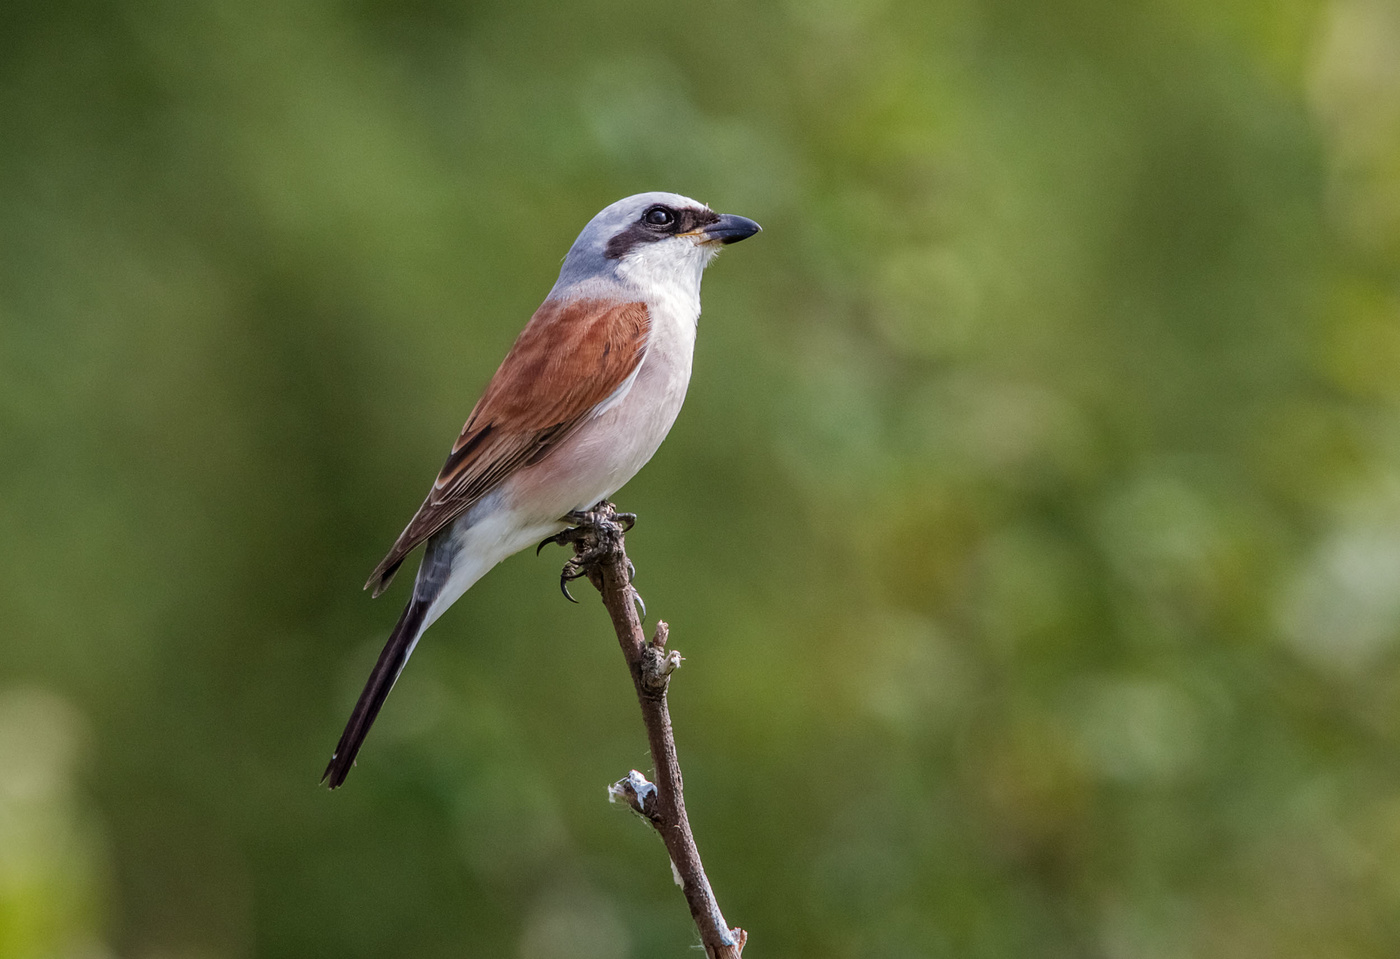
(569, 358)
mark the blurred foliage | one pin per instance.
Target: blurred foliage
(1033, 524)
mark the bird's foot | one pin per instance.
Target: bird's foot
(596, 536)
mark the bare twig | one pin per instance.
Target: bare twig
(600, 555)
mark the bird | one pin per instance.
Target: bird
(580, 403)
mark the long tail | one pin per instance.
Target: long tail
(386, 671)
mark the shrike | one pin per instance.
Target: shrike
(580, 403)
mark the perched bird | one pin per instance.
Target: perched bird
(580, 403)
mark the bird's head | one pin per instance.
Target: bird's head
(652, 239)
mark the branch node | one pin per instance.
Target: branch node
(637, 793)
(657, 667)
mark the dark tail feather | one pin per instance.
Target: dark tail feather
(386, 671)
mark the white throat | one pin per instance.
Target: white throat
(667, 274)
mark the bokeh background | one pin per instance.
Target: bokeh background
(1032, 527)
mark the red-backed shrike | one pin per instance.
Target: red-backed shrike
(580, 403)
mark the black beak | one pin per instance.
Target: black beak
(730, 229)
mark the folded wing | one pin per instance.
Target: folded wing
(568, 361)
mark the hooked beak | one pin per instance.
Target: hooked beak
(728, 229)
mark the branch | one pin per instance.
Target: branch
(600, 555)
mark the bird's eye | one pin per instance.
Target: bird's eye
(659, 216)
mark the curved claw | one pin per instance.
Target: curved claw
(558, 539)
(641, 606)
(564, 588)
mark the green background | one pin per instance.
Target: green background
(1032, 527)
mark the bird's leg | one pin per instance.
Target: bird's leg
(596, 534)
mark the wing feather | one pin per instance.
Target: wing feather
(570, 359)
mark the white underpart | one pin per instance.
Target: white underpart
(483, 536)
(623, 431)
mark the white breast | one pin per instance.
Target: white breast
(609, 449)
